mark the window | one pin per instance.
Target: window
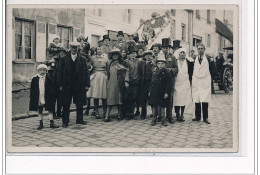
(208, 16)
(196, 40)
(94, 40)
(197, 14)
(173, 29)
(208, 40)
(65, 35)
(127, 16)
(173, 11)
(24, 39)
(183, 32)
(97, 12)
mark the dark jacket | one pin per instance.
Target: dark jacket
(172, 65)
(212, 68)
(161, 83)
(145, 72)
(73, 83)
(49, 94)
(190, 69)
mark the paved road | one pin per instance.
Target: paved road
(133, 133)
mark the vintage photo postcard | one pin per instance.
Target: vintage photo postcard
(122, 78)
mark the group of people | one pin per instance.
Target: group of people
(125, 74)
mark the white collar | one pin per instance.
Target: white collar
(73, 57)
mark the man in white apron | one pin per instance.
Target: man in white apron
(204, 70)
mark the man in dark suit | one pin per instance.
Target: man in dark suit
(73, 80)
(172, 66)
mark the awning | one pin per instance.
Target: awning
(223, 30)
(228, 48)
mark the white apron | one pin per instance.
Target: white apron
(182, 89)
(201, 81)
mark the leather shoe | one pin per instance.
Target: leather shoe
(195, 119)
(159, 119)
(164, 123)
(81, 122)
(64, 125)
(153, 123)
(206, 121)
(170, 120)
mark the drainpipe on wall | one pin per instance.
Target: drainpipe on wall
(190, 28)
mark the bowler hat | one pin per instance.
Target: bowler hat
(132, 49)
(106, 37)
(166, 42)
(141, 46)
(156, 45)
(148, 52)
(120, 33)
(176, 44)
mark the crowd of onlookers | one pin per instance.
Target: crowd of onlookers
(124, 74)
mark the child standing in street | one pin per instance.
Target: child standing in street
(42, 95)
(160, 89)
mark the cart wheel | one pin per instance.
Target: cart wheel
(228, 79)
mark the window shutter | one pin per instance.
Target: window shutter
(40, 41)
(52, 32)
(13, 39)
(76, 33)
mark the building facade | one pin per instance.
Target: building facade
(33, 30)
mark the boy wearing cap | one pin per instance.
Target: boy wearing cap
(73, 81)
(132, 64)
(42, 95)
(145, 72)
(160, 89)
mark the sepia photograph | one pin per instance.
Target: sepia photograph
(122, 78)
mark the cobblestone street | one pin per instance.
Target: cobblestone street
(133, 133)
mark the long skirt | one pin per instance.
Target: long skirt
(98, 86)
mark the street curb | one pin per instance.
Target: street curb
(35, 114)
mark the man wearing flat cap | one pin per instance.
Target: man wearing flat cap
(120, 42)
(73, 80)
(172, 66)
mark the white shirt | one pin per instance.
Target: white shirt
(73, 57)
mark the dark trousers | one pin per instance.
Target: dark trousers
(66, 110)
(131, 99)
(169, 107)
(58, 101)
(204, 109)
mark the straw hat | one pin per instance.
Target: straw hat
(115, 50)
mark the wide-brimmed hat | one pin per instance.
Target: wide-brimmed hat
(132, 49)
(74, 44)
(140, 46)
(112, 51)
(148, 52)
(156, 45)
(56, 37)
(120, 33)
(166, 42)
(161, 58)
(176, 44)
(130, 42)
(106, 37)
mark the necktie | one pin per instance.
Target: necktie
(200, 59)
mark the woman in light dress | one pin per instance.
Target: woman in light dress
(98, 80)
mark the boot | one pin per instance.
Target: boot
(40, 126)
(164, 123)
(181, 118)
(52, 125)
(178, 117)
